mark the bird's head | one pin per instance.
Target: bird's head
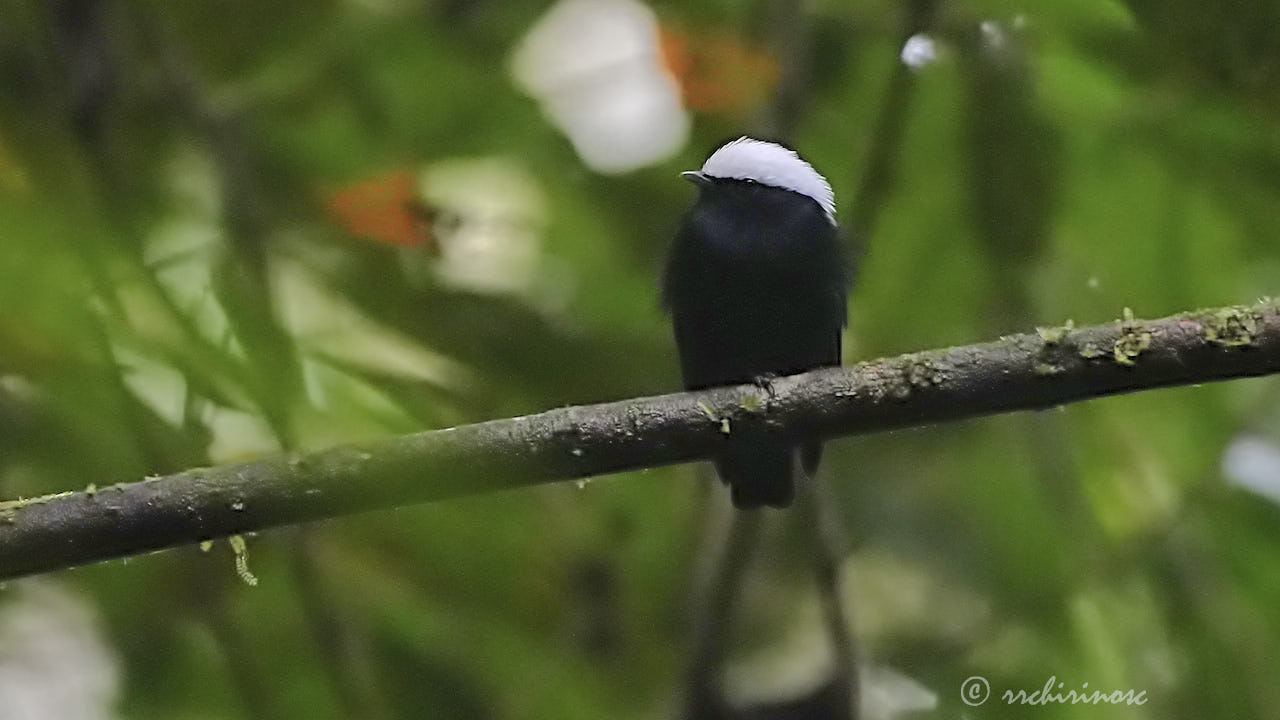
(750, 160)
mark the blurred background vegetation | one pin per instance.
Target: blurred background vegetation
(231, 228)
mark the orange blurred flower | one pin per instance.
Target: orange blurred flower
(385, 208)
(718, 73)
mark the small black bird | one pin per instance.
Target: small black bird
(756, 283)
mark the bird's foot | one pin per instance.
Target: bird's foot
(764, 381)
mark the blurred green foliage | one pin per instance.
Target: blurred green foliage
(176, 290)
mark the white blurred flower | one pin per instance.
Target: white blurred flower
(1253, 464)
(919, 51)
(888, 694)
(54, 662)
(993, 35)
(596, 67)
(495, 242)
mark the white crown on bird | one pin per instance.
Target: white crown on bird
(774, 165)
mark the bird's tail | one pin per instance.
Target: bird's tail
(759, 472)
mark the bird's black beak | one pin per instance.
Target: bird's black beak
(697, 178)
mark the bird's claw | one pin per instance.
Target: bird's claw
(765, 383)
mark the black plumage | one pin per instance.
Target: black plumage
(756, 283)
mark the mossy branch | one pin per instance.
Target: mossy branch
(1023, 372)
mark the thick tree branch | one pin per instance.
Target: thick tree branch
(1023, 372)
